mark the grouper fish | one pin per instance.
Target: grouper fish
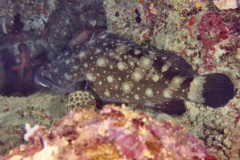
(116, 70)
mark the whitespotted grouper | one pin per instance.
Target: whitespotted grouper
(115, 69)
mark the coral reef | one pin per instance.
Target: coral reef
(211, 31)
(79, 100)
(207, 38)
(49, 23)
(46, 27)
(112, 134)
(174, 26)
(164, 24)
(39, 108)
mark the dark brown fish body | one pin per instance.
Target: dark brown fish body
(117, 70)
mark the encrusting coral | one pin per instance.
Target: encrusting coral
(79, 100)
(114, 133)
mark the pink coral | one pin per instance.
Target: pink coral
(112, 134)
(211, 30)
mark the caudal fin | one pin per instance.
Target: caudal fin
(214, 90)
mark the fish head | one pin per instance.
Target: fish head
(61, 74)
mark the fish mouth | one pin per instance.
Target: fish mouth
(42, 81)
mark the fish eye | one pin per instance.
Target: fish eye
(46, 67)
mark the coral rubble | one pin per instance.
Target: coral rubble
(226, 4)
(112, 134)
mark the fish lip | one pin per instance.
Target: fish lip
(42, 81)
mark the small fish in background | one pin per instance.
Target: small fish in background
(25, 57)
(85, 35)
(115, 70)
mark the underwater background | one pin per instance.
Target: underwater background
(206, 33)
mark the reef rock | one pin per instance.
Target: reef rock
(226, 4)
(114, 133)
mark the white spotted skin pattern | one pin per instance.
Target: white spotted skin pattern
(126, 72)
(114, 69)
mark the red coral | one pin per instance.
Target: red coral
(130, 146)
(211, 30)
(191, 21)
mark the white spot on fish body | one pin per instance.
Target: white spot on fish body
(149, 104)
(110, 79)
(112, 54)
(149, 92)
(107, 93)
(121, 66)
(82, 55)
(67, 76)
(137, 75)
(65, 54)
(90, 77)
(136, 96)
(155, 78)
(165, 67)
(67, 61)
(102, 62)
(127, 86)
(176, 82)
(97, 51)
(131, 63)
(146, 62)
(136, 52)
(85, 65)
(56, 70)
(167, 93)
(75, 67)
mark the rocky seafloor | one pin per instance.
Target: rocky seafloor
(205, 33)
(114, 133)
